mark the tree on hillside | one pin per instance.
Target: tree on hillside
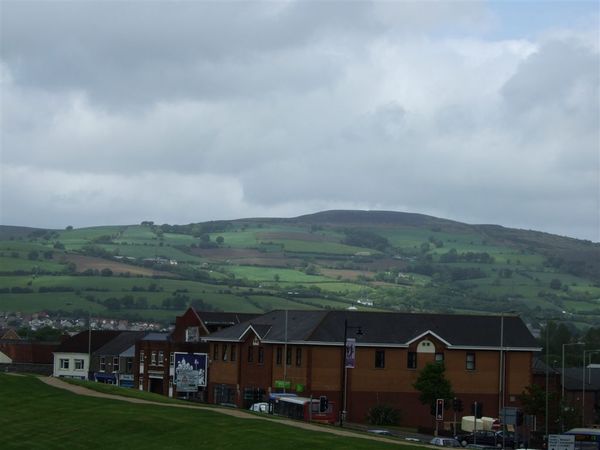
(220, 240)
(433, 384)
(559, 334)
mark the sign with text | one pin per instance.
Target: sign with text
(561, 442)
(350, 353)
(283, 384)
(190, 371)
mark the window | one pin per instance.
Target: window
(141, 356)
(192, 334)
(225, 350)
(116, 364)
(411, 362)
(172, 359)
(129, 364)
(279, 356)
(439, 357)
(153, 358)
(216, 352)
(250, 354)
(380, 359)
(261, 355)
(232, 353)
(79, 364)
(64, 364)
(470, 361)
(161, 358)
(102, 364)
(288, 357)
(298, 357)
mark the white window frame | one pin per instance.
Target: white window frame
(102, 364)
(115, 363)
(64, 363)
(153, 358)
(77, 361)
(161, 358)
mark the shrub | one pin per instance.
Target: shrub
(383, 415)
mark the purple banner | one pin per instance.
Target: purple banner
(350, 353)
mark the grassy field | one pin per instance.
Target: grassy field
(36, 416)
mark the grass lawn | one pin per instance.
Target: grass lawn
(36, 416)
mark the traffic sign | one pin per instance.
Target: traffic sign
(561, 442)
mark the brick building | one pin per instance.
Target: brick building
(303, 352)
(23, 355)
(155, 354)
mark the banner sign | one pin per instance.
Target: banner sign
(350, 353)
(190, 371)
(283, 384)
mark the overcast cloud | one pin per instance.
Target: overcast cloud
(116, 112)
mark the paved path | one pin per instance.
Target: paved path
(80, 390)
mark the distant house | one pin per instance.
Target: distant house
(72, 357)
(9, 333)
(582, 392)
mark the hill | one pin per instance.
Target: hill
(333, 259)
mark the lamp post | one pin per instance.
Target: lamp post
(562, 380)
(89, 345)
(344, 363)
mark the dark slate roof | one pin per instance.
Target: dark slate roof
(120, 343)
(156, 337)
(79, 343)
(224, 318)
(381, 328)
(538, 366)
(574, 377)
(271, 326)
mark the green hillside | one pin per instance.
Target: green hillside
(36, 416)
(334, 259)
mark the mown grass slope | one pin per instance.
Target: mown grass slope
(36, 416)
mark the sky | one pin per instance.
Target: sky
(178, 112)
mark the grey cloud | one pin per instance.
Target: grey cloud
(213, 111)
(123, 54)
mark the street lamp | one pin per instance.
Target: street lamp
(562, 379)
(345, 368)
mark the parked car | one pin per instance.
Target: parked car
(487, 438)
(381, 432)
(262, 407)
(445, 442)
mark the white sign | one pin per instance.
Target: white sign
(561, 442)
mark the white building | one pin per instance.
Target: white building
(72, 357)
